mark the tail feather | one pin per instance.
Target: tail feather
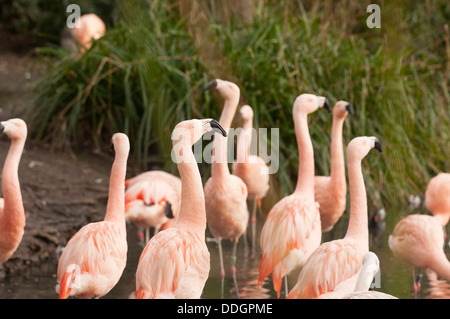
(265, 268)
(64, 285)
(277, 279)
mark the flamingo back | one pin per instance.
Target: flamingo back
(226, 207)
(416, 239)
(97, 255)
(182, 268)
(333, 267)
(290, 234)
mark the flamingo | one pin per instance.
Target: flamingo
(331, 191)
(377, 224)
(292, 230)
(88, 27)
(95, 257)
(437, 197)
(152, 200)
(12, 212)
(225, 194)
(419, 239)
(370, 267)
(175, 263)
(250, 168)
(332, 270)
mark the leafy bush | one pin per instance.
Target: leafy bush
(146, 75)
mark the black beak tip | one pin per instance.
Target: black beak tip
(211, 85)
(2, 128)
(378, 146)
(168, 210)
(217, 127)
(350, 109)
(326, 105)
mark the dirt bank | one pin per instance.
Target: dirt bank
(60, 195)
(61, 191)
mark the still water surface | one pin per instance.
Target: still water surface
(395, 279)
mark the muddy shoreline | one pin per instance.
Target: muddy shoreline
(60, 195)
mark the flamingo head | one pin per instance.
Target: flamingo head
(246, 113)
(192, 130)
(120, 142)
(342, 108)
(228, 90)
(309, 103)
(14, 128)
(360, 146)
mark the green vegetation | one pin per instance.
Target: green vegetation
(147, 74)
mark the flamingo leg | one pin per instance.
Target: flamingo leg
(147, 235)
(254, 225)
(286, 290)
(233, 266)
(222, 269)
(417, 283)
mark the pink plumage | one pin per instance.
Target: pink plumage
(225, 194)
(12, 212)
(175, 262)
(94, 258)
(152, 200)
(292, 230)
(331, 191)
(332, 270)
(88, 27)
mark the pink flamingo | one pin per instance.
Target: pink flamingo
(88, 27)
(12, 213)
(292, 229)
(95, 257)
(332, 270)
(331, 191)
(225, 194)
(176, 262)
(370, 267)
(419, 239)
(437, 197)
(152, 200)
(250, 168)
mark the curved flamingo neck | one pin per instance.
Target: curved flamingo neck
(358, 224)
(442, 218)
(305, 179)
(337, 173)
(219, 166)
(244, 142)
(13, 212)
(115, 208)
(441, 266)
(192, 207)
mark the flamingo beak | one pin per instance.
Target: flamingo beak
(168, 210)
(378, 146)
(217, 127)
(349, 109)
(211, 85)
(149, 204)
(326, 105)
(2, 128)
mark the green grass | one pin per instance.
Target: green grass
(147, 74)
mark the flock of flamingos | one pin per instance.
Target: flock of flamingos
(175, 262)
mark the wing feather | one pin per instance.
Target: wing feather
(330, 265)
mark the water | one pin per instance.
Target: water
(396, 276)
